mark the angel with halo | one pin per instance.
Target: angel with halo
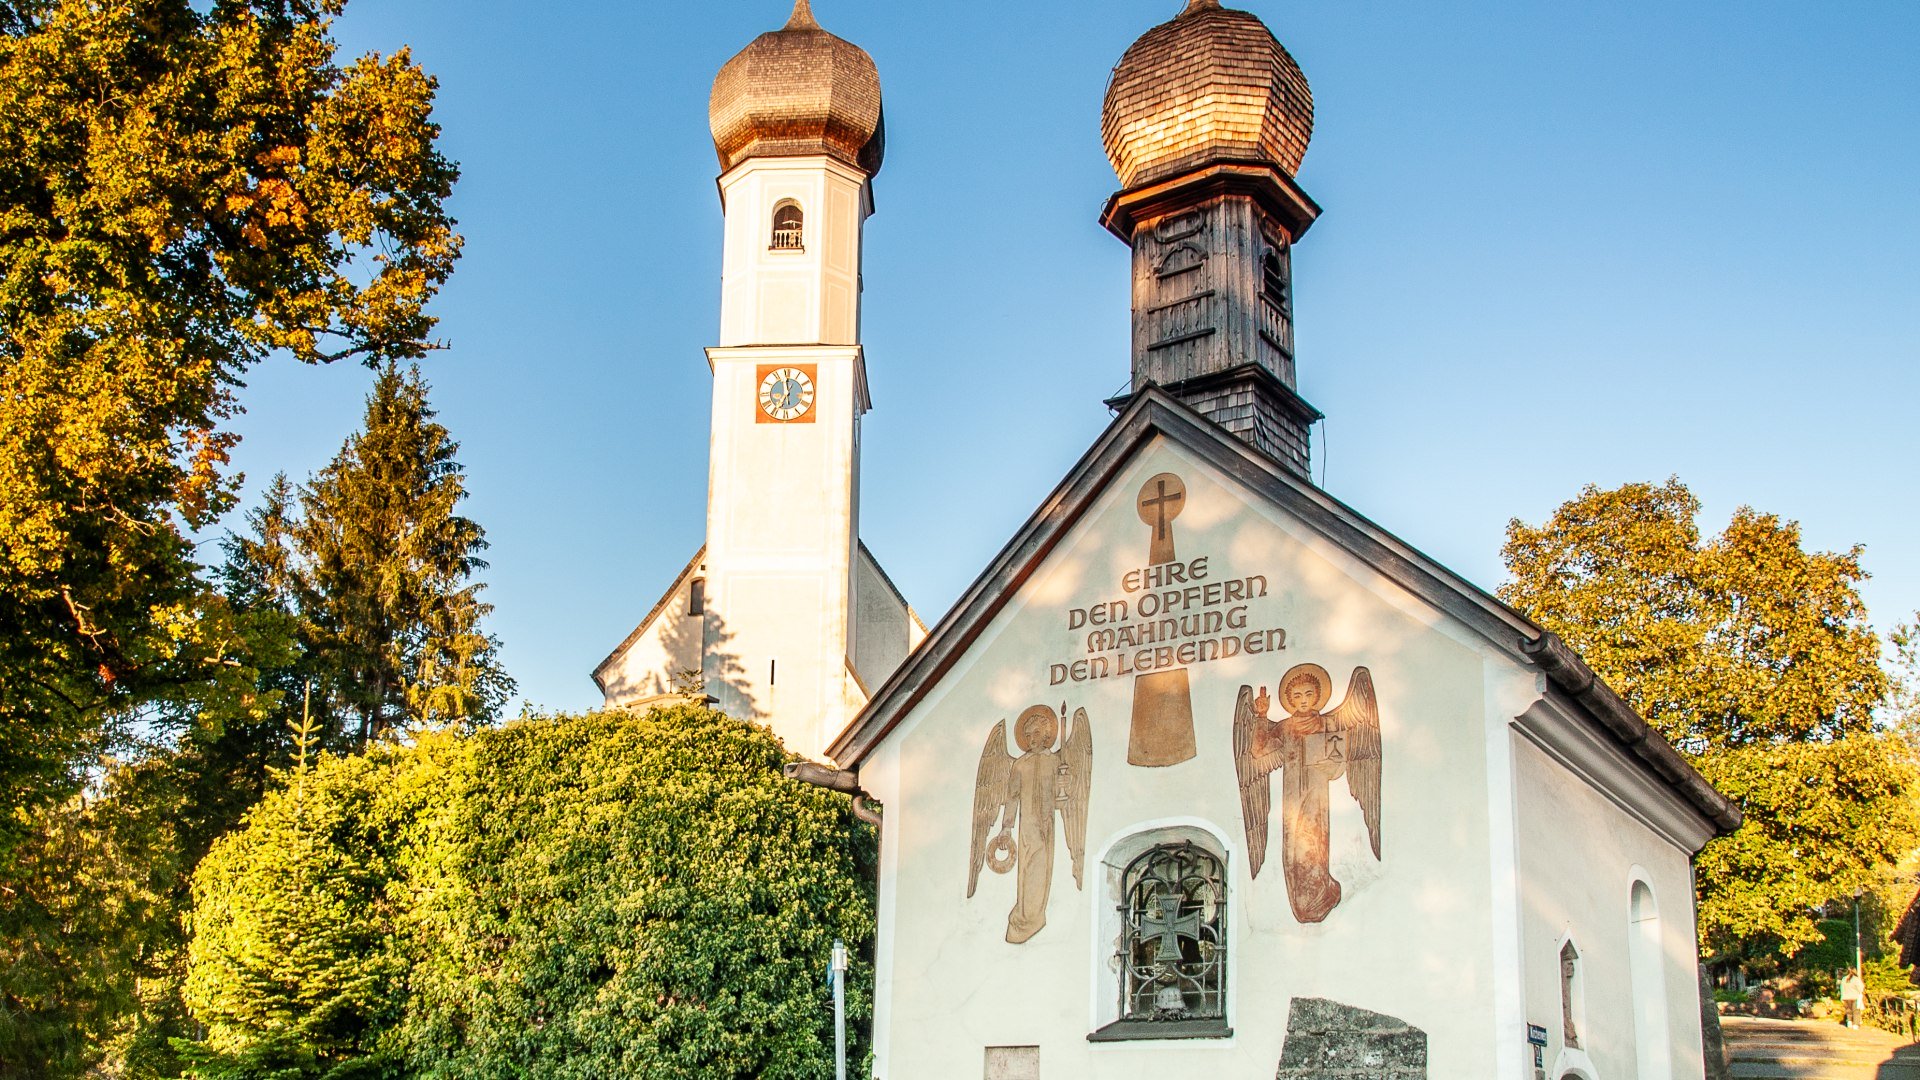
(1052, 775)
(1311, 749)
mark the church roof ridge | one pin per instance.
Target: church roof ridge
(1155, 412)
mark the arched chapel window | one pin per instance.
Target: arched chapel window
(789, 227)
(1173, 941)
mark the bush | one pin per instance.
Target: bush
(295, 962)
(595, 896)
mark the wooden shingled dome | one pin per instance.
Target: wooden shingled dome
(1211, 86)
(795, 92)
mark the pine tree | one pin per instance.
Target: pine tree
(378, 568)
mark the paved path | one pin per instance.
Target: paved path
(1815, 1050)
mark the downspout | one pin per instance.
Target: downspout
(843, 781)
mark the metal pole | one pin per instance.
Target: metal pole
(1859, 962)
(839, 1009)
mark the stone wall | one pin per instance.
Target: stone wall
(1330, 1041)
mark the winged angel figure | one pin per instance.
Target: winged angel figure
(1311, 749)
(1022, 794)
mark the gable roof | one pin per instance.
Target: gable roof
(881, 572)
(1153, 412)
(658, 607)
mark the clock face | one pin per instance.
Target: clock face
(786, 393)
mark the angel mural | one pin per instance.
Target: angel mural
(1052, 774)
(1311, 749)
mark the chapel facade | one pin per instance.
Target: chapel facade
(1207, 773)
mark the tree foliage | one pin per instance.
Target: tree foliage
(91, 928)
(294, 963)
(183, 189)
(1903, 698)
(87, 928)
(596, 896)
(377, 569)
(1754, 657)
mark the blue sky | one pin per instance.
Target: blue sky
(1563, 243)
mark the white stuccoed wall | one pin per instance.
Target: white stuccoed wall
(647, 665)
(783, 499)
(806, 297)
(1411, 942)
(793, 605)
(1580, 854)
(780, 545)
(1432, 934)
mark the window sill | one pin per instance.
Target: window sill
(1144, 1030)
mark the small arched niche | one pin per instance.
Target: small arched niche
(1572, 995)
(1651, 1035)
(789, 227)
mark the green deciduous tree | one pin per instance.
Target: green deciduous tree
(377, 568)
(88, 928)
(92, 937)
(184, 189)
(1754, 657)
(95, 936)
(595, 896)
(1903, 699)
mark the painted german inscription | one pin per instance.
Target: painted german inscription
(1311, 748)
(1053, 774)
(1169, 615)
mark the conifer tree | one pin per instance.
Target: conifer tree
(185, 188)
(377, 567)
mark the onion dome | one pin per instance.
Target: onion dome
(798, 91)
(1211, 86)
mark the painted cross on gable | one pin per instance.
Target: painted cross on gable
(1162, 731)
(1168, 498)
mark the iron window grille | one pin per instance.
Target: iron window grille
(1173, 946)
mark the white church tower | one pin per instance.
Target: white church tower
(784, 616)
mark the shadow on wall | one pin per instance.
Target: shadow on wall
(695, 659)
(700, 646)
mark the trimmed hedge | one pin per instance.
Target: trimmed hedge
(592, 896)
